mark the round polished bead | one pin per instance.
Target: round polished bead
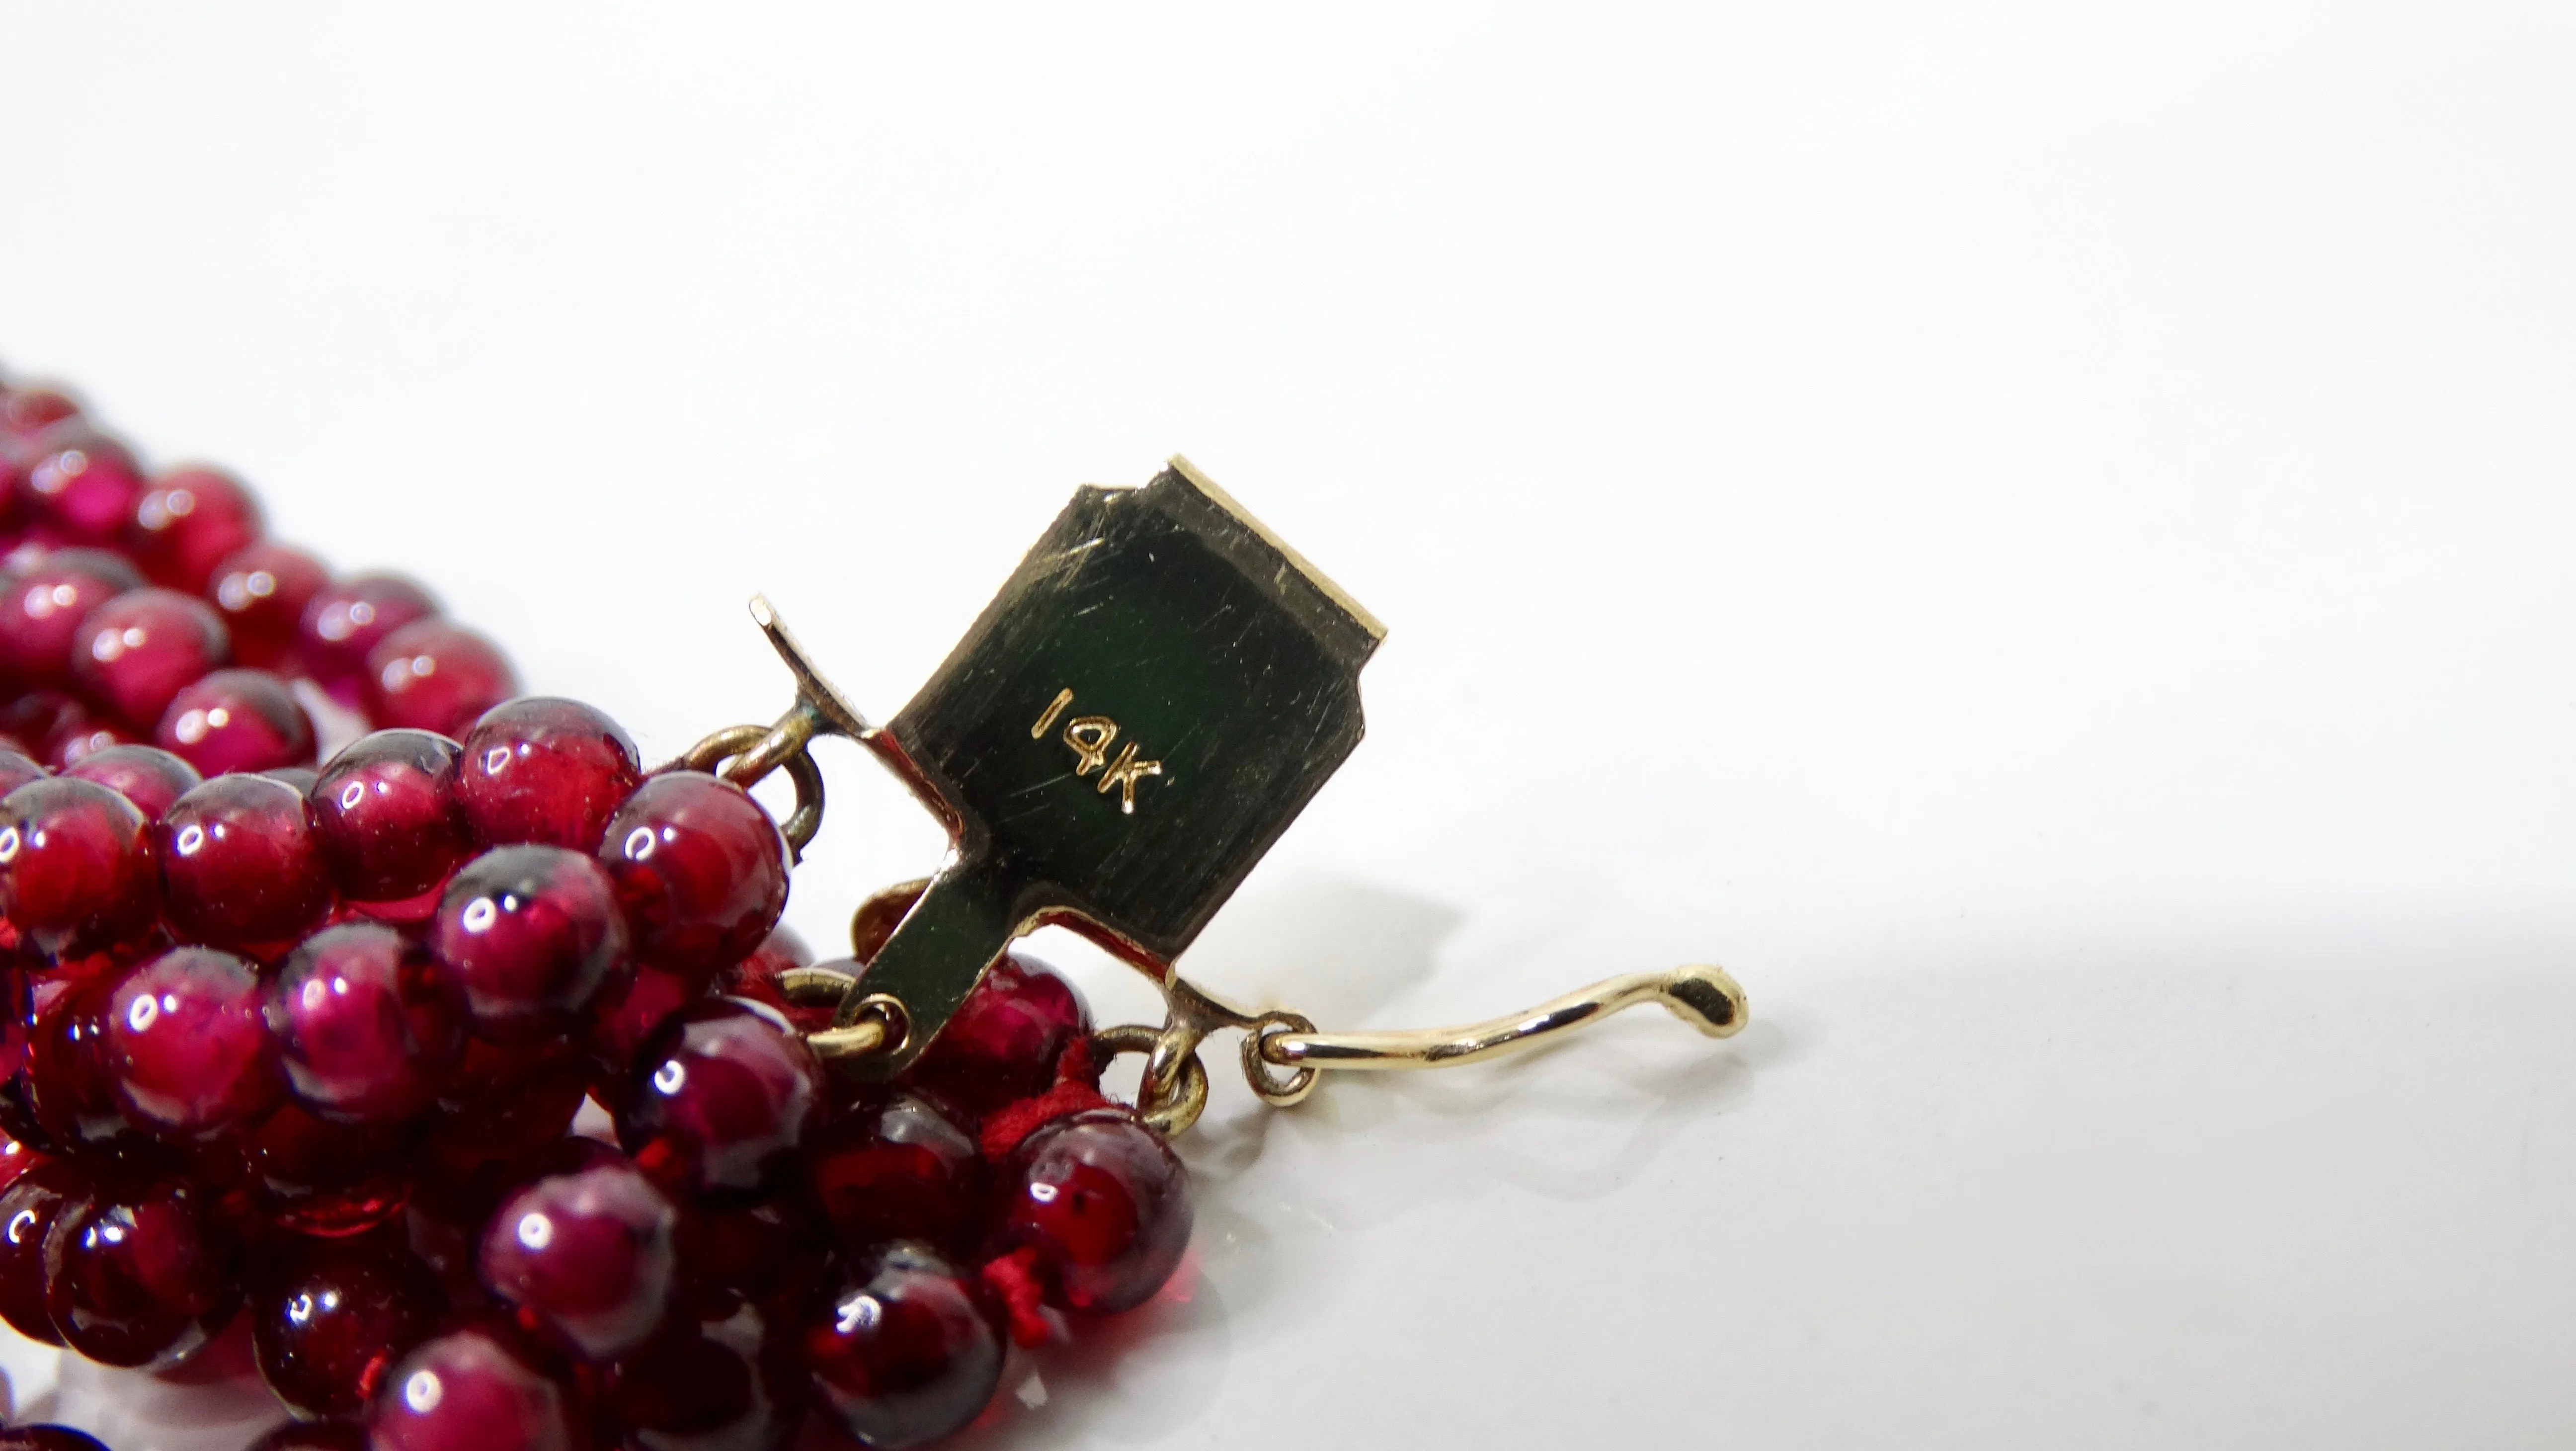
(237, 720)
(544, 770)
(139, 649)
(1004, 1040)
(71, 1085)
(17, 770)
(1106, 1205)
(327, 1324)
(534, 935)
(43, 603)
(368, 1024)
(76, 867)
(148, 776)
(621, 1027)
(140, 1274)
(465, 1392)
(188, 1045)
(897, 1167)
(79, 739)
(241, 865)
(504, 1110)
(27, 412)
(28, 1209)
(80, 483)
(36, 718)
(47, 1436)
(311, 1176)
(190, 519)
(591, 1256)
(758, 1252)
(701, 868)
(722, 1100)
(386, 810)
(312, 1436)
(436, 676)
(261, 590)
(903, 1354)
(16, 1158)
(346, 619)
(761, 977)
(732, 1384)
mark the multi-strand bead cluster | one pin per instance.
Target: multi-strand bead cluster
(306, 1038)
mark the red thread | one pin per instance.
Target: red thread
(1013, 1279)
(1005, 1127)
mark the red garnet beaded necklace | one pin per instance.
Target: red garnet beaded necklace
(302, 1037)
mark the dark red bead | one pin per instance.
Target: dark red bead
(28, 1209)
(312, 1176)
(312, 1436)
(191, 519)
(141, 648)
(732, 1384)
(148, 776)
(71, 1085)
(188, 1045)
(26, 412)
(237, 720)
(503, 1111)
(904, 1353)
(141, 1274)
(722, 1100)
(241, 865)
(650, 998)
(81, 483)
(761, 978)
(897, 1167)
(35, 718)
(80, 738)
(701, 868)
(386, 809)
(43, 603)
(1106, 1205)
(16, 1158)
(466, 1392)
(590, 1256)
(327, 1324)
(1004, 1041)
(49, 1437)
(436, 676)
(544, 770)
(345, 621)
(755, 1252)
(76, 867)
(534, 936)
(261, 590)
(368, 1024)
(17, 770)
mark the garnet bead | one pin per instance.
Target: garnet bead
(761, 978)
(148, 776)
(28, 1209)
(16, 1158)
(187, 522)
(261, 590)
(81, 483)
(903, 1354)
(900, 1168)
(237, 720)
(16, 771)
(43, 603)
(466, 1392)
(26, 412)
(534, 935)
(590, 1256)
(368, 1024)
(386, 810)
(241, 865)
(433, 675)
(544, 770)
(620, 1028)
(701, 868)
(721, 1101)
(731, 1384)
(140, 1274)
(76, 870)
(327, 1324)
(345, 621)
(312, 1176)
(187, 1044)
(71, 1085)
(1003, 1042)
(141, 648)
(1106, 1205)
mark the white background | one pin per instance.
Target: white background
(2038, 535)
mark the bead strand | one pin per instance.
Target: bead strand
(308, 1037)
